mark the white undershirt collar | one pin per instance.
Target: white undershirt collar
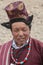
(16, 47)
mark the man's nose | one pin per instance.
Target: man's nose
(20, 33)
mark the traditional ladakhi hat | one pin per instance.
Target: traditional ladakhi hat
(16, 11)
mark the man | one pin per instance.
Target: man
(22, 50)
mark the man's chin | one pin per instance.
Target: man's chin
(20, 43)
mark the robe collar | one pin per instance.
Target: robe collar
(16, 47)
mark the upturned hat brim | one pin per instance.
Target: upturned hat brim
(28, 22)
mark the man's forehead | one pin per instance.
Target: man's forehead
(19, 24)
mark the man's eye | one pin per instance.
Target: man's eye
(16, 30)
(24, 29)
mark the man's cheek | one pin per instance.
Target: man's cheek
(26, 35)
(14, 34)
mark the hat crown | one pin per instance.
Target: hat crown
(16, 9)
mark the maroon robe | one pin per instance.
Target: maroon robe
(35, 57)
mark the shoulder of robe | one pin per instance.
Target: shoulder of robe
(0, 46)
(7, 43)
(38, 45)
(37, 42)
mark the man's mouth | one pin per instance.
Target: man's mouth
(22, 39)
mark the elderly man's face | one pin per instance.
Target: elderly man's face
(20, 32)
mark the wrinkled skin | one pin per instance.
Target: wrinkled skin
(20, 32)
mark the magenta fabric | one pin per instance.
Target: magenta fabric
(35, 57)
